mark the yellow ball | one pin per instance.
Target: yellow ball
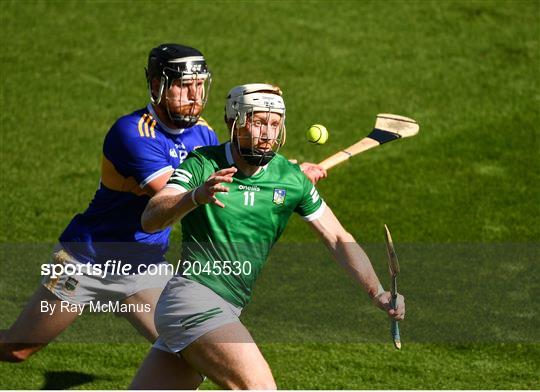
(317, 134)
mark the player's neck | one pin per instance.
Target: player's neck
(245, 168)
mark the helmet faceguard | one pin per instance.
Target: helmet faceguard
(170, 63)
(243, 103)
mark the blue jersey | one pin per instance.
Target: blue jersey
(137, 149)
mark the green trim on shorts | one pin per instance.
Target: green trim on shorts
(198, 318)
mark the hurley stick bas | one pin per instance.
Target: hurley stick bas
(388, 127)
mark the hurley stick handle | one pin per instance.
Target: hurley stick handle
(394, 327)
(341, 156)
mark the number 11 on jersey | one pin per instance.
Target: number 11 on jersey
(249, 198)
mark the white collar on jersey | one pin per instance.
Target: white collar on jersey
(230, 159)
(173, 131)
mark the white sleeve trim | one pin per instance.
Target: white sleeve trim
(176, 186)
(155, 175)
(317, 214)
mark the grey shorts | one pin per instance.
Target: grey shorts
(83, 289)
(187, 310)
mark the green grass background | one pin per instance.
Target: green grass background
(468, 71)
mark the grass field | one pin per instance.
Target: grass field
(461, 199)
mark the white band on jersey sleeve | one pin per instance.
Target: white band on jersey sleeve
(155, 175)
(317, 214)
(181, 175)
(176, 186)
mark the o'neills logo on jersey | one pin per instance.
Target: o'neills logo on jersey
(249, 188)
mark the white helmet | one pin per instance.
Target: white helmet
(248, 99)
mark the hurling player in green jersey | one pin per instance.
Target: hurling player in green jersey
(234, 201)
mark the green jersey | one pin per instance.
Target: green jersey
(226, 248)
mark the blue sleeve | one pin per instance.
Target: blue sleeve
(210, 136)
(133, 155)
(213, 139)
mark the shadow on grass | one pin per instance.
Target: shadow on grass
(66, 379)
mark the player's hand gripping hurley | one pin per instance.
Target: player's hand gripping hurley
(393, 265)
(388, 127)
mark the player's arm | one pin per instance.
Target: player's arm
(157, 184)
(173, 203)
(133, 162)
(352, 257)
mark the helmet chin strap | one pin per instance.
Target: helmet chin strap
(256, 157)
(180, 120)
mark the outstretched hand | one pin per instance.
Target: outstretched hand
(382, 301)
(313, 172)
(206, 193)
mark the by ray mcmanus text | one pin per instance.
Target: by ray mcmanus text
(93, 307)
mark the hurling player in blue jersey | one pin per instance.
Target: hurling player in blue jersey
(140, 152)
